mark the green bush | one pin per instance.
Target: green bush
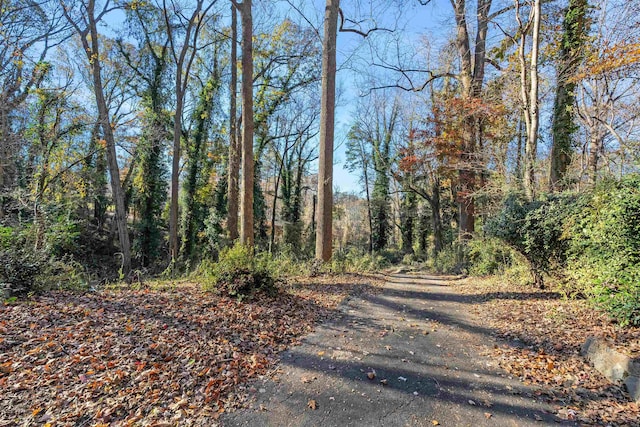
(536, 230)
(604, 249)
(591, 241)
(488, 256)
(24, 270)
(287, 263)
(239, 272)
(20, 269)
(355, 261)
(452, 259)
(6, 237)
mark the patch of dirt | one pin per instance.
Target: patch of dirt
(548, 332)
(172, 355)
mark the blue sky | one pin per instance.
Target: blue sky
(413, 23)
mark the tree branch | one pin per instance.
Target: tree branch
(355, 30)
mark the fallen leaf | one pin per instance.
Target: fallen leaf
(307, 379)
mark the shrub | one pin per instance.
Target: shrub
(24, 270)
(451, 259)
(355, 261)
(604, 250)
(20, 269)
(592, 240)
(488, 256)
(536, 230)
(239, 272)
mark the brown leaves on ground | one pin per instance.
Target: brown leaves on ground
(546, 333)
(146, 356)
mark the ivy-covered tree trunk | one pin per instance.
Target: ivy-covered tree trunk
(150, 181)
(575, 28)
(293, 174)
(193, 213)
(380, 210)
(424, 229)
(259, 219)
(408, 220)
(436, 218)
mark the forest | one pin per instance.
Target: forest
(148, 141)
(143, 152)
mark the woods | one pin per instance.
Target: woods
(137, 158)
(235, 157)
(140, 158)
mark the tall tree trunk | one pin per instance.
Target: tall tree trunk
(436, 218)
(276, 188)
(472, 79)
(89, 38)
(369, 216)
(595, 146)
(518, 167)
(562, 130)
(234, 147)
(407, 221)
(192, 219)
(175, 173)
(575, 29)
(246, 229)
(529, 92)
(324, 229)
(183, 58)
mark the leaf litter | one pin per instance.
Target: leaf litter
(544, 333)
(172, 354)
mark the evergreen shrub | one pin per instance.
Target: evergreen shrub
(25, 270)
(591, 241)
(486, 256)
(536, 230)
(603, 256)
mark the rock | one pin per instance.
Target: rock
(615, 366)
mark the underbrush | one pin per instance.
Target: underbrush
(355, 261)
(26, 270)
(589, 243)
(239, 272)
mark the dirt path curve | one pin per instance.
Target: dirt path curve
(420, 339)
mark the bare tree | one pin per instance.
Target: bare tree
(529, 89)
(183, 51)
(85, 22)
